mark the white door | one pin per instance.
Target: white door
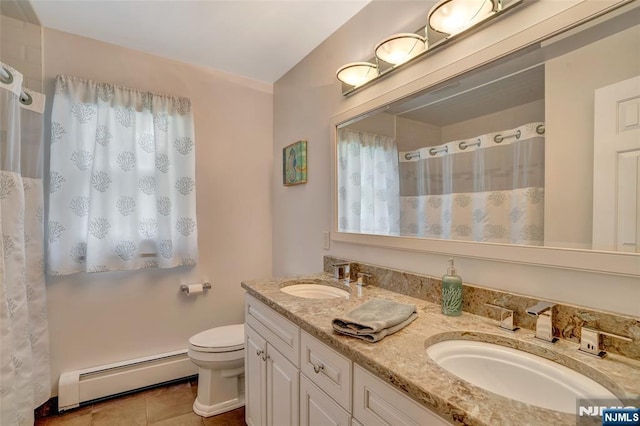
(255, 378)
(282, 390)
(616, 167)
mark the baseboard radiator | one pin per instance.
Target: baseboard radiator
(76, 387)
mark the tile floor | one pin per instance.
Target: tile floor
(166, 406)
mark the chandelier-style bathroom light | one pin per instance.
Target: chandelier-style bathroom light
(454, 16)
(446, 21)
(399, 48)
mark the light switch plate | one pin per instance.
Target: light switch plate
(326, 240)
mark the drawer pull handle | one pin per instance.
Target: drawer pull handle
(259, 352)
(317, 367)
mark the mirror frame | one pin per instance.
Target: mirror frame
(545, 31)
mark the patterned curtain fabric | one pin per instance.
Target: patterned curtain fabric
(122, 180)
(492, 192)
(368, 184)
(25, 381)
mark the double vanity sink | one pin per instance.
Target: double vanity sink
(464, 368)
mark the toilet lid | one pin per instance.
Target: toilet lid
(220, 339)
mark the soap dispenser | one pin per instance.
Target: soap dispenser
(451, 292)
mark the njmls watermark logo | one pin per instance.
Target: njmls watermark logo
(608, 412)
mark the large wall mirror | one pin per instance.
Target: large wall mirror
(540, 148)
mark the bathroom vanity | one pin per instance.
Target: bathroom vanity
(298, 371)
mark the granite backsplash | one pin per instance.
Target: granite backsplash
(567, 321)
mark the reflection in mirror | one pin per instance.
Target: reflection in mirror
(538, 148)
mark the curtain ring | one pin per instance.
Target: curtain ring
(434, 151)
(8, 79)
(498, 138)
(25, 98)
(540, 129)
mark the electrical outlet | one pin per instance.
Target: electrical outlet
(327, 240)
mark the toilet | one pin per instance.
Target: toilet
(219, 355)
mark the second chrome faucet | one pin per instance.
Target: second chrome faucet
(544, 323)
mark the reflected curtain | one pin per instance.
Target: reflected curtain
(24, 337)
(368, 183)
(490, 188)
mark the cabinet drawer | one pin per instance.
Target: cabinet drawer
(281, 333)
(317, 409)
(327, 368)
(376, 403)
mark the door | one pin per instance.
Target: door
(282, 390)
(616, 167)
(255, 378)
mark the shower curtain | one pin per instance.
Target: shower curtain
(488, 188)
(368, 184)
(24, 342)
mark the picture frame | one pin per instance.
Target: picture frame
(294, 163)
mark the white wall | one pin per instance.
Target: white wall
(306, 99)
(101, 318)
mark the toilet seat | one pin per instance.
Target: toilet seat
(229, 338)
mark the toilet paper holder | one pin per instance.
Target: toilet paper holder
(185, 288)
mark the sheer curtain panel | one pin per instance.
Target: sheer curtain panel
(368, 184)
(24, 337)
(122, 179)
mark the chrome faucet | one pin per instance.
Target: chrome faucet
(363, 279)
(590, 341)
(342, 271)
(506, 317)
(544, 324)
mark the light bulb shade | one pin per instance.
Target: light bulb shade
(454, 16)
(357, 73)
(399, 48)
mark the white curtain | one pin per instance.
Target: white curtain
(122, 180)
(368, 184)
(491, 191)
(24, 338)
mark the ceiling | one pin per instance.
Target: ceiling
(258, 39)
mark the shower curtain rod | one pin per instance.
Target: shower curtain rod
(6, 77)
(498, 138)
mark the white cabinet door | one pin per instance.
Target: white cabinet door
(317, 409)
(282, 390)
(255, 378)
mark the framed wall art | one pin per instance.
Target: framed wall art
(294, 163)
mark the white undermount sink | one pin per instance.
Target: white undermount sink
(516, 374)
(315, 291)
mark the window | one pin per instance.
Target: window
(122, 180)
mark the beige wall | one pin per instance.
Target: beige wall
(21, 47)
(570, 81)
(306, 99)
(501, 120)
(101, 318)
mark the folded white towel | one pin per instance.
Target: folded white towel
(375, 319)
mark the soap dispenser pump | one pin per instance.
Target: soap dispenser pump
(451, 292)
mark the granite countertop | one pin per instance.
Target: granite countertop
(400, 359)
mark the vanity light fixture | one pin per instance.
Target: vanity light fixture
(454, 16)
(399, 48)
(357, 73)
(446, 21)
